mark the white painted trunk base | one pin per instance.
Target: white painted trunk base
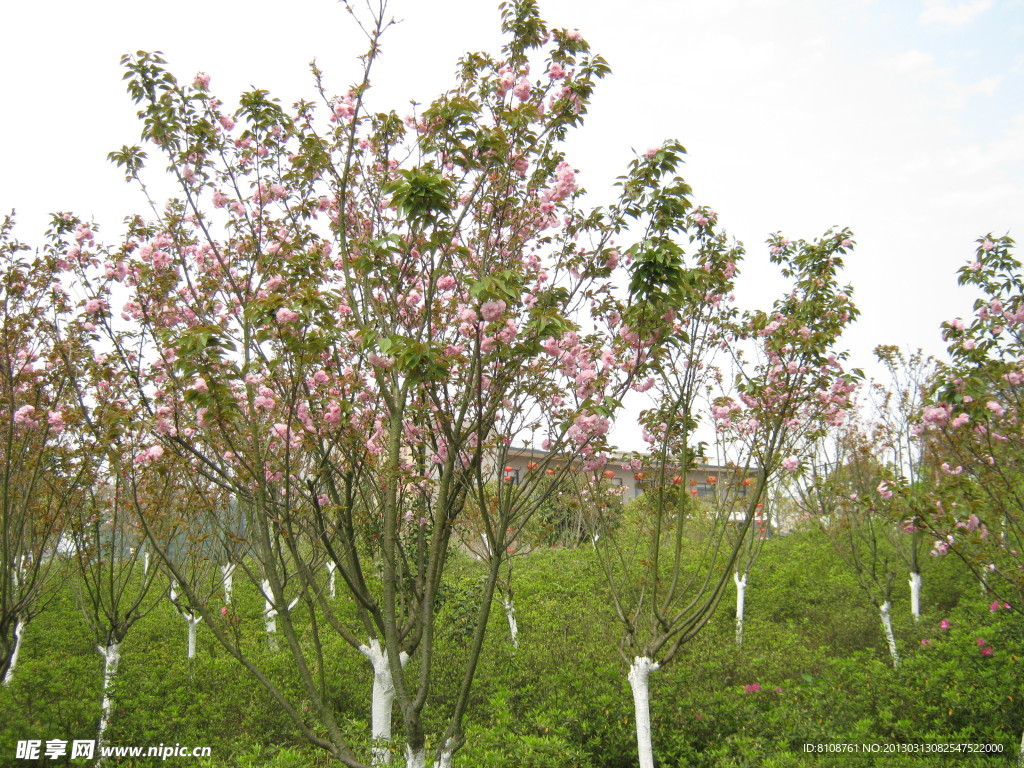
(331, 568)
(174, 590)
(741, 596)
(382, 699)
(145, 563)
(193, 622)
(444, 757)
(270, 615)
(111, 658)
(639, 674)
(890, 638)
(415, 758)
(513, 626)
(915, 595)
(228, 578)
(19, 632)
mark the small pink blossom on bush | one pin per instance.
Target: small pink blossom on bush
(752, 688)
(994, 606)
(926, 641)
(944, 624)
(986, 651)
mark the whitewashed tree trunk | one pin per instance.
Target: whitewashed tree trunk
(382, 699)
(510, 614)
(270, 615)
(145, 562)
(890, 638)
(915, 595)
(639, 674)
(444, 757)
(228, 578)
(19, 632)
(331, 568)
(741, 596)
(174, 590)
(415, 758)
(193, 622)
(111, 658)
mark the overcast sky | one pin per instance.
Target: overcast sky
(902, 119)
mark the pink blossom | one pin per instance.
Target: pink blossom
(981, 641)
(935, 414)
(994, 606)
(995, 407)
(95, 306)
(522, 89)
(555, 72)
(752, 688)
(986, 651)
(959, 421)
(925, 641)
(988, 245)
(201, 81)
(446, 282)
(790, 463)
(55, 420)
(492, 310)
(24, 415)
(883, 490)
(944, 624)
(285, 315)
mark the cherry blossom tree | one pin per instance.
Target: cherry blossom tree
(974, 422)
(344, 323)
(783, 397)
(43, 467)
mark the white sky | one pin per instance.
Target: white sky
(902, 119)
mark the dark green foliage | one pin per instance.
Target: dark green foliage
(561, 700)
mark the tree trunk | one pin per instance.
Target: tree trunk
(269, 617)
(193, 622)
(890, 638)
(639, 672)
(19, 632)
(510, 614)
(444, 756)
(228, 578)
(111, 658)
(331, 568)
(382, 701)
(915, 595)
(415, 758)
(741, 594)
